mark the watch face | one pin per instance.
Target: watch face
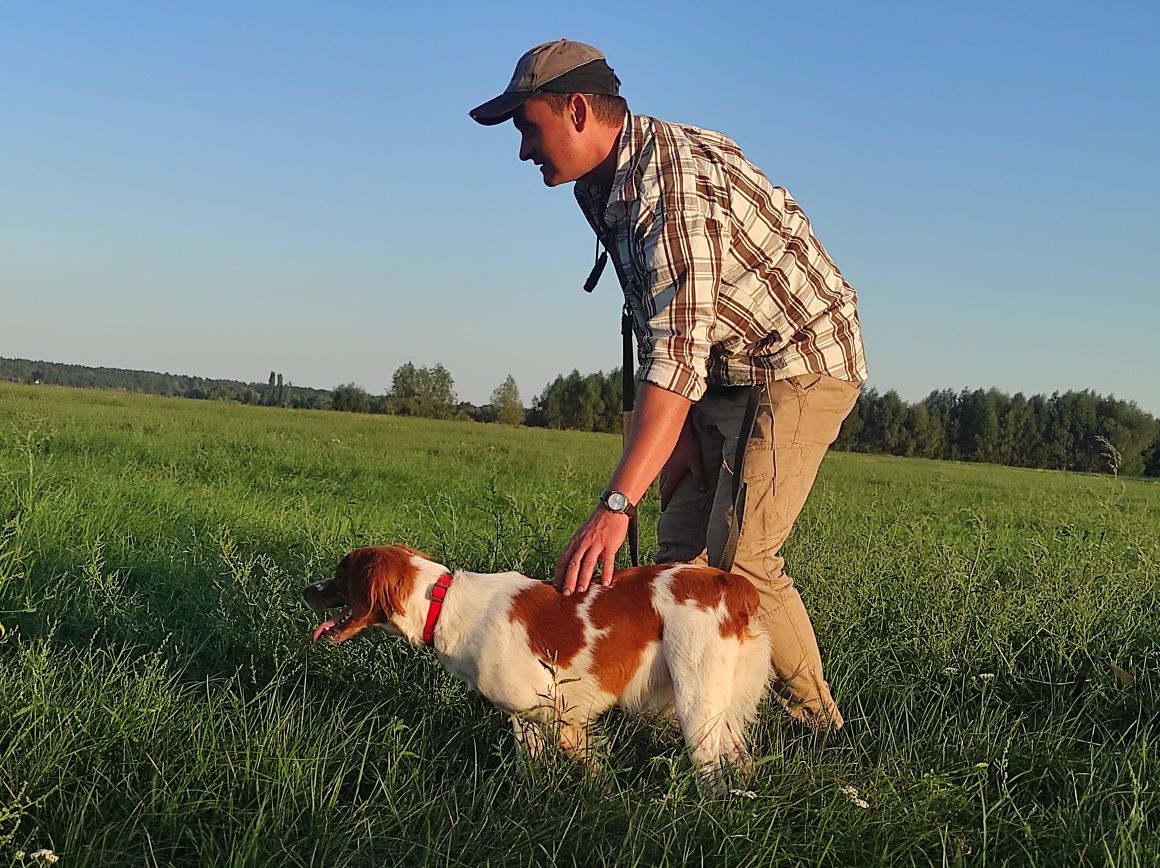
(617, 501)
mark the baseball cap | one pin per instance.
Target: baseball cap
(560, 66)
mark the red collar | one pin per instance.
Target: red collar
(438, 594)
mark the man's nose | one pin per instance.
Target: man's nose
(525, 150)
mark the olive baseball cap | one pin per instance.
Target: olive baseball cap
(560, 66)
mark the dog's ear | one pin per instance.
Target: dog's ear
(385, 578)
(380, 577)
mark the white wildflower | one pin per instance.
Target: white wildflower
(982, 766)
(854, 796)
(951, 670)
(44, 855)
(986, 676)
(748, 794)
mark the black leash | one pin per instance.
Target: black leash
(627, 377)
(739, 488)
(628, 389)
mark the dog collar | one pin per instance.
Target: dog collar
(438, 594)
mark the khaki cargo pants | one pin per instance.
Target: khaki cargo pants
(796, 422)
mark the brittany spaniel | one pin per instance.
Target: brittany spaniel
(671, 634)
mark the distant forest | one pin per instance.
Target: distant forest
(275, 393)
(1081, 431)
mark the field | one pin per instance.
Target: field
(993, 633)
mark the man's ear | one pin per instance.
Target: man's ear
(578, 111)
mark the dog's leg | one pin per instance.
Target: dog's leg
(737, 752)
(703, 697)
(528, 736)
(749, 680)
(574, 742)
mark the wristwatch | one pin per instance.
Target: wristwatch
(617, 501)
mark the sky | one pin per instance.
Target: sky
(226, 189)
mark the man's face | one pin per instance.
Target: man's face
(551, 141)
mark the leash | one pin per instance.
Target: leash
(627, 372)
(628, 390)
(739, 487)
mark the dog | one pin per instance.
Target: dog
(669, 636)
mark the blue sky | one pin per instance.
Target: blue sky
(227, 189)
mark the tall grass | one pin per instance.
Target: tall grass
(992, 633)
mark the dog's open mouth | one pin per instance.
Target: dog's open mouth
(331, 627)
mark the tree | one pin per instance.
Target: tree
(1152, 458)
(426, 392)
(506, 403)
(550, 405)
(978, 428)
(1129, 431)
(583, 403)
(851, 429)
(1018, 434)
(612, 395)
(943, 409)
(884, 417)
(923, 435)
(350, 398)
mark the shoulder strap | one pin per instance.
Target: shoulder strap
(627, 374)
(738, 490)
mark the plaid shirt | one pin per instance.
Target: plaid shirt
(724, 277)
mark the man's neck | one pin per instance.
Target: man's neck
(604, 173)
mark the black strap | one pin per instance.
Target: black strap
(627, 372)
(738, 490)
(597, 268)
(628, 389)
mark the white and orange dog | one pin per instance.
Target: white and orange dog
(668, 635)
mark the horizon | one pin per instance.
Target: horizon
(527, 401)
(230, 190)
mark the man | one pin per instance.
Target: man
(731, 296)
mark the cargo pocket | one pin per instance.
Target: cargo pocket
(757, 479)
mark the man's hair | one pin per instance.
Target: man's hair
(608, 110)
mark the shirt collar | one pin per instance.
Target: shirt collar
(625, 180)
(628, 151)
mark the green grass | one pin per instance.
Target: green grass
(161, 702)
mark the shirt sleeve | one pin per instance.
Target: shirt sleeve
(679, 256)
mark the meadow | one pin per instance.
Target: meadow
(993, 633)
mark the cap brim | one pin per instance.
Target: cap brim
(496, 111)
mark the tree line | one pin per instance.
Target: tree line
(1081, 431)
(276, 393)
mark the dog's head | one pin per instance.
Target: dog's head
(370, 585)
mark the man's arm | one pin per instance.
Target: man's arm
(656, 424)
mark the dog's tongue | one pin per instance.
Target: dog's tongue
(323, 627)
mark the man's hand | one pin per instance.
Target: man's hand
(656, 427)
(686, 458)
(597, 542)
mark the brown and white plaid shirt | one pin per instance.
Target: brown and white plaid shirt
(724, 277)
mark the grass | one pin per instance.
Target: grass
(161, 703)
